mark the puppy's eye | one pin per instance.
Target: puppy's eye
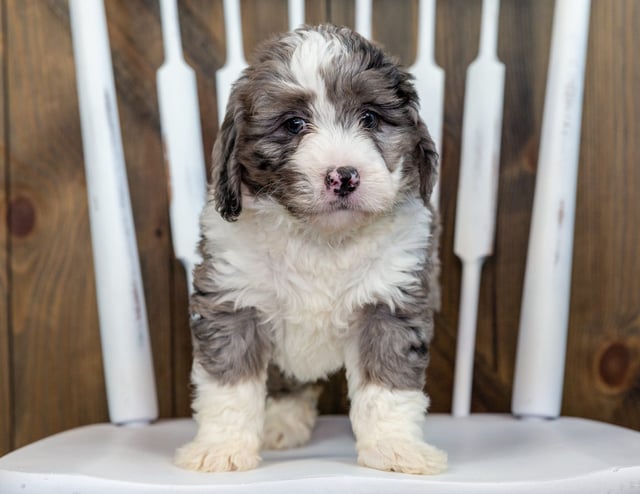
(369, 119)
(295, 125)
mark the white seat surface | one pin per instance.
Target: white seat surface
(487, 454)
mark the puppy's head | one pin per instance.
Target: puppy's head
(326, 126)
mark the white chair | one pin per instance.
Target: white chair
(487, 453)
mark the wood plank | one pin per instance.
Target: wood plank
(387, 16)
(6, 399)
(58, 362)
(57, 365)
(202, 26)
(261, 20)
(603, 362)
(341, 13)
(316, 11)
(181, 349)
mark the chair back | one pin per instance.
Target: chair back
(544, 315)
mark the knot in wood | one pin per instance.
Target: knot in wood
(614, 367)
(22, 216)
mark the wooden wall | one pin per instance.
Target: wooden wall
(50, 364)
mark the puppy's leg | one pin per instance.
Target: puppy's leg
(290, 418)
(230, 419)
(386, 365)
(386, 424)
(229, 375)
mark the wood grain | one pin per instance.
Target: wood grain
(341, 12)
(57, 368)
(603, 361)
(52, 333)
(262, 19)
(315, 11)
(386, 17)
(181, 350)
(6, 419)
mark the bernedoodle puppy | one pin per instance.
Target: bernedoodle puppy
(318, 252)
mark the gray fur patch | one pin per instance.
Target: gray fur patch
(231, 345)
(394, 346)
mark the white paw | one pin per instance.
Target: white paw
(414, 457)
(289, 420)
(206, 457)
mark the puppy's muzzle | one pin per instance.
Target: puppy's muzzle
(342, 180)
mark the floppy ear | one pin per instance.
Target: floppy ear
(225, 171)
(426, 157)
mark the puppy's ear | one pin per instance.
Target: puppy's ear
(226, 172)
(426, 158)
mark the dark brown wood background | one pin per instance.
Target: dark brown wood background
(50, 364)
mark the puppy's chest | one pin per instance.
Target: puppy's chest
(311, 294)
(317, 288)
(322, 287)
(312, 297)
(313, 312)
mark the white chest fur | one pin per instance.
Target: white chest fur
(309, 290)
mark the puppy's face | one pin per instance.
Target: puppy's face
(325, 125)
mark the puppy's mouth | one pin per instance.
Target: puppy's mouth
(342, 204)
(339, 218)
(341, 214)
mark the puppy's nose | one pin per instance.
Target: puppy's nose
(343, 180)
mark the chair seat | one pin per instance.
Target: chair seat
(487, 454)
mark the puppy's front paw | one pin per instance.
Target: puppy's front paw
(206, 457)
(403, 456)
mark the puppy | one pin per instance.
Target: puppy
(318, 253)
